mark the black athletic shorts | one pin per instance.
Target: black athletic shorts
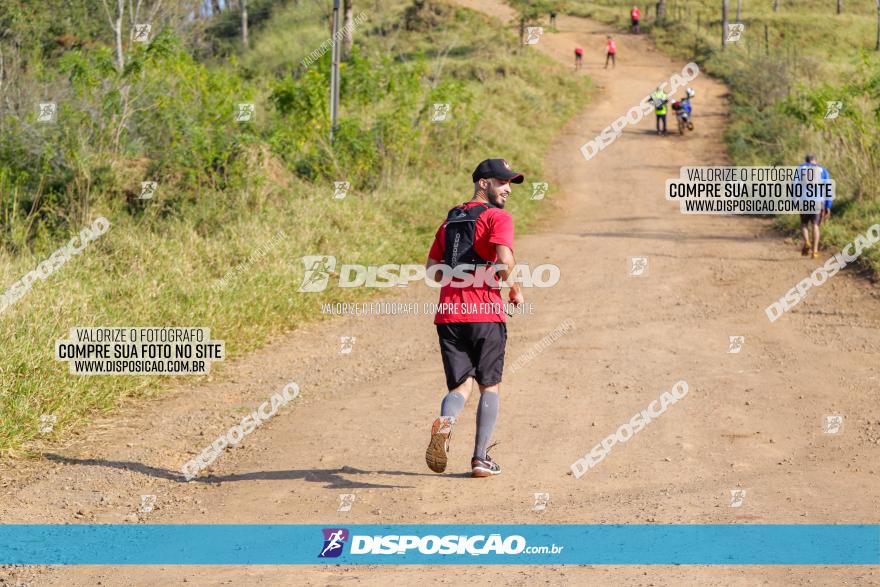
(814, 218)
(472, 349)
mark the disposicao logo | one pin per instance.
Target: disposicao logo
(318, 271)
(404, 544)
(320, 268)
(334, 540)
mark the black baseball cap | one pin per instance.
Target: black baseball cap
(497, 168)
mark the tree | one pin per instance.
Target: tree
(116, 25)
(529, 12)
(661, 11)
(134, 17)
(839, 6)
(878, 26)
(739, 10)
(775, 5)
(725, 6)
(244, 24)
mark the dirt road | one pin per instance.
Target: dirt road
(752, 420)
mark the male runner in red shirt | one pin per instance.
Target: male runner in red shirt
(470, 320)
(635, 16)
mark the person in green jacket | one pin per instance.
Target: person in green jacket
(659, 99)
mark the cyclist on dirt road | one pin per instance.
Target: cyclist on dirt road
(470, 320)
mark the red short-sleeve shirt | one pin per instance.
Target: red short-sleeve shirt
(475, 303)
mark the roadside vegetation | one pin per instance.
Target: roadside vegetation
(165, 112)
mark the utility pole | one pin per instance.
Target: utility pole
(334, 71)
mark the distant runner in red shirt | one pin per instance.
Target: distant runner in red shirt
(610, 52)
(635, 15)
(470, 320)
(578, 57)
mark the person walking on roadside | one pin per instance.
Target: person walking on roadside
(810, 223)
(610, 52)
(659, 99)
(552, 18)
(635, 15)
(470, 317)
(578, 57)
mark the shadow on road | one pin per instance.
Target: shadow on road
(332, 478)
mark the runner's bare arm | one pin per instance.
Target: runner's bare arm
(432, 273)
(507, 262)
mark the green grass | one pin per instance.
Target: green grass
(156, 266)
(276, 50)
(780, 84)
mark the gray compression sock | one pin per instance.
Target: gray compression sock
(452, 404)
(487, 414)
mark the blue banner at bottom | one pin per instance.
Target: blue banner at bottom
(278, 544)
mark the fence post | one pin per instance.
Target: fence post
(724, 8)
(877, 48)
(766, 40)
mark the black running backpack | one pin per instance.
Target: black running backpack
(461, 225)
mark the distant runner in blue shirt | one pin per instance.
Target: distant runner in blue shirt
(814, 219)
